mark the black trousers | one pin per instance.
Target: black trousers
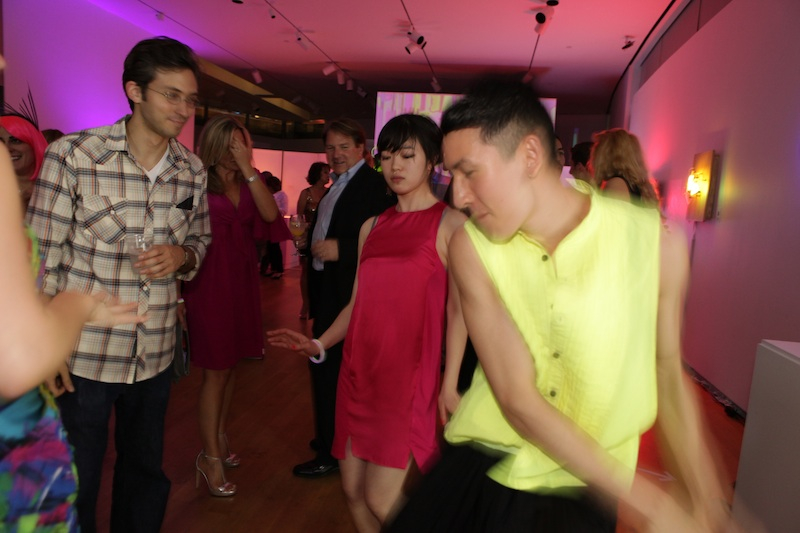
(140, 488)
(457, 495)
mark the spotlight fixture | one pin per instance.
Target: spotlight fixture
(552, 3)
(350, 85)
(361, 92)
(340, 77)
(528, 77)
(435, 85)
(329, 69)
(272, 14)
(416, 37)
(256, 76)
(628, 41)
(238, 1)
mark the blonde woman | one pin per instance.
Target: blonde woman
(619, 169)
(222, 304)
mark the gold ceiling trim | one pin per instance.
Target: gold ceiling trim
(227, 77)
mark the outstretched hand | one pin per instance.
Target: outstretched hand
(292, 340)
(107, 311)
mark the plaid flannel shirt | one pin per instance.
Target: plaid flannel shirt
(89, 194)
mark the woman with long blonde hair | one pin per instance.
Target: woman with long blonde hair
(619, 169)
(222, 305)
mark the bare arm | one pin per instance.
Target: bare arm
(265, 202)
(679, 424)
(456, 333)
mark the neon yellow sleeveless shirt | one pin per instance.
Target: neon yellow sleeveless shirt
(588, 315)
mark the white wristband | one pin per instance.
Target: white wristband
(320, 357)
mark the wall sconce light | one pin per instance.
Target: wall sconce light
(702, 186)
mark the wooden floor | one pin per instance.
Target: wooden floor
(270, 427)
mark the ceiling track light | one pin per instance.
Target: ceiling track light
(350, 85)
(528, 77)
(415, 37)
(329, 69)
(412, 46)
(238, 1)
(361, 92)
(341, 78)
(435, 84)
(272, 14)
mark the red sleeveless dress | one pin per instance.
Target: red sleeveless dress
(389, 379)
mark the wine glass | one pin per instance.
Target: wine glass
(297, 227)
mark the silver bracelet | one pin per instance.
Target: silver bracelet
(252, 178)
(321, 356)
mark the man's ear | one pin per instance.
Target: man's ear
(133, 92)
(534, 153)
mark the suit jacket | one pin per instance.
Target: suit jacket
(366, 195)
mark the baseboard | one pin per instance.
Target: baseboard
(731, 409)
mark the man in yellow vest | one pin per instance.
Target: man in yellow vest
(574, 304)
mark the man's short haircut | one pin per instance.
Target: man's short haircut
(152, 55)
(347, 127)
(415, 128)
(504, 111)
(581, 152)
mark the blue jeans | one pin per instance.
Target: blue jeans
(140, 488)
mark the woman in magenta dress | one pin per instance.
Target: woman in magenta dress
(222, 303)
(386, 402)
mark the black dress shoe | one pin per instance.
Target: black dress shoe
(316, 468)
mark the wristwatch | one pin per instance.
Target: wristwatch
(185, 256)
(252, 178)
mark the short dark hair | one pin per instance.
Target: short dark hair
(581, 152)
(158, 53)
(408, 127)
(504, 111)
(348, 127)
(315, 172)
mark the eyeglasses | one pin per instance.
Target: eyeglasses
(175, 98)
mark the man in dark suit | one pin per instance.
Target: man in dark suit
(358, 193)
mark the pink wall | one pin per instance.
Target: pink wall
(734, 87)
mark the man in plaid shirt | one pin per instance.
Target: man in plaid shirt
(97, 186)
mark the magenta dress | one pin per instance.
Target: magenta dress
(223, 304)
(389, 379)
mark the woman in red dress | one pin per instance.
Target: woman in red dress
(386, 422)
(222, 302)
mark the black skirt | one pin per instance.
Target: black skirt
(458, 496)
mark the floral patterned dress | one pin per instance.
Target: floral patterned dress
(38, 482)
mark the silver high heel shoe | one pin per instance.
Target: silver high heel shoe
(227, 489)
(233, 460)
